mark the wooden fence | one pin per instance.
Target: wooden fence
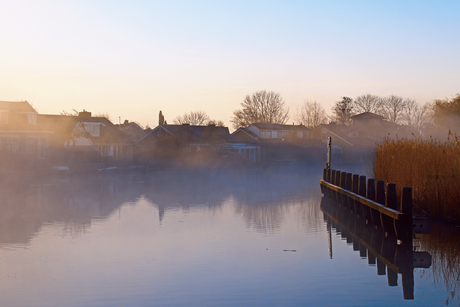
(369, 200)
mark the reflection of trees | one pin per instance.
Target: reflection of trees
(69, 204)
(443, 243)
(264, 198)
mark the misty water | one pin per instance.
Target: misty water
(254, 237)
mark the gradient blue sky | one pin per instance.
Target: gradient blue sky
(134, 58)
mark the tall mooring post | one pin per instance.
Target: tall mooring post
(328, 161)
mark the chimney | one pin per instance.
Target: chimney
(84, 114)
(161, 119)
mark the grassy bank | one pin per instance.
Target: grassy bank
(430, 167)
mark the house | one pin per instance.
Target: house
(360, 138)
(112, 145)
(280, 143)
(85, 139)
(133, 130)
(23, 143)
(278, 132)
(192, 145)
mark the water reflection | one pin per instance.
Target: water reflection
(261, 198)
(390, 257)
(443, 243)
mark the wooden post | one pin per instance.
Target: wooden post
(380, 197)
(392, 201)
(338, 196)
(406, 208)
(362, 192)
(348, 186)
(325, 174)
(343, 185)
(374, 215)
(328, 158)
(355, 190)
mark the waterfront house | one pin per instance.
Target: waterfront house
(23, 143)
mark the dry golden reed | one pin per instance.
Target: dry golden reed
(430, 167)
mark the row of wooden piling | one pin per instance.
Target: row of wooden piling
(371, 200)
(383, 251)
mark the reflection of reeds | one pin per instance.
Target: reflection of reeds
(444, 246)
(430, 167)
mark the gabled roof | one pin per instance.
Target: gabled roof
(196, 134)
(246, 133)
(17, 106)
(367, 116)
(339, 131)
(110, 134)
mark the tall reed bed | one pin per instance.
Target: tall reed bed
(431, 168)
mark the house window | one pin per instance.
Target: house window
(94, 129)
(265, 134)
(9, 144)
(353, 134)
(3, 117)
(32, 119)
(281, 134)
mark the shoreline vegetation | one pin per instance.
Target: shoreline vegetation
(430, 167)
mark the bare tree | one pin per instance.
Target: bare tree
(311, 114)
(198, 118)
(342, 111)
(368, 103)
(217, 123)
(261, 107)
(103, 114)
(73, 113)
(394, 107)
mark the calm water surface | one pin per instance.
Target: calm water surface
(197, 238)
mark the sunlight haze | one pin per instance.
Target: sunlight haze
(131, 59)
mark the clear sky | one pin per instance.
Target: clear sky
(132, 59)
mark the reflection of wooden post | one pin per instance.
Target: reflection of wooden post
(380, 267)
(392, 278)
(370, 258)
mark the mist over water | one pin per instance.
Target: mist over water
(237, 237)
